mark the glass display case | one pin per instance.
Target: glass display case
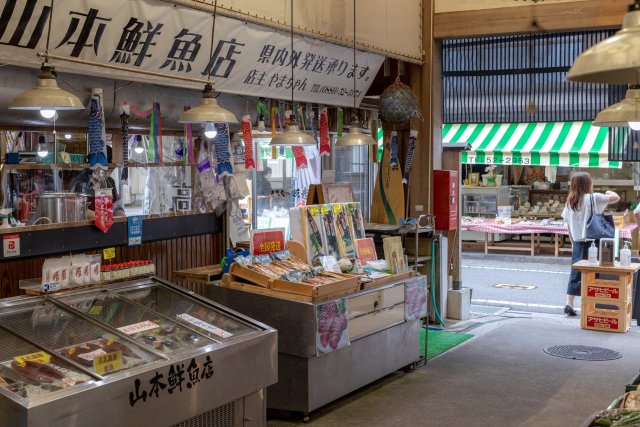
(138, 352)
(483, 201)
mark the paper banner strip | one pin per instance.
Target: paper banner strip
(325, 145)
(249, 162)
(188, 132)
(97, 134)
(393, 158)
(221, 147)
(413, 136)
(124, 138)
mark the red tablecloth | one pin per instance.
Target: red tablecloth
(530, 227)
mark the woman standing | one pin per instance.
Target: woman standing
(576, 214)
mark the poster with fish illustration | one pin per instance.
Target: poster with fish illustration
(332, 323)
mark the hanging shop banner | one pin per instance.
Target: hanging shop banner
(157, 36)
(104, 209)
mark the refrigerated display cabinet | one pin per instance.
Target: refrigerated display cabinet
(482, 202)
(142, 352)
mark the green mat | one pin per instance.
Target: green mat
(441, 341)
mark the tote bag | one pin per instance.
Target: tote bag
(599, 226)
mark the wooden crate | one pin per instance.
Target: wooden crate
(350, 284)
(616, 319)
(238, 271)
(615, 290)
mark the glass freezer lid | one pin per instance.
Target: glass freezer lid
(72, 336)
(190, 312)
(138, 322)
(30, 372)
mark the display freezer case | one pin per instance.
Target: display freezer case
(142, 352)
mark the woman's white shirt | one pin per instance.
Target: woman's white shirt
(577, 220)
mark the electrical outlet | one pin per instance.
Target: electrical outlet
(419, 208)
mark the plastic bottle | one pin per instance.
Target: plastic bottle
(625, 255)
(593, 254)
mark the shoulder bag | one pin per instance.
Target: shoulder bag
(599, 226)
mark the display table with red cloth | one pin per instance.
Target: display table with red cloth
(533, 228)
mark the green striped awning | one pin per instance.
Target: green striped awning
(573, 144)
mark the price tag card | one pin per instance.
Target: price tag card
(38, 357)
(330, 263)
(108, 362)
(109, 253)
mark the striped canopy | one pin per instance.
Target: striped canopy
(573, 144)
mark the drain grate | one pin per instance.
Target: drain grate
(511, 286)
(582, 352)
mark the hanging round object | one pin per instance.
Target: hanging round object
(398, 103)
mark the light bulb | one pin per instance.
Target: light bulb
(47, 114)
(67, 136)
(210, 130)
(137, 147)
(42, 150)
(634, 125)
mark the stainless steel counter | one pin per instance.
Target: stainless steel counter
(382, 338)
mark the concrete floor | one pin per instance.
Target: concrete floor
(501, 377)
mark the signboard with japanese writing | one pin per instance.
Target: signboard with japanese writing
(366, 250)
(267, 240)
(134, 230)
(161, 37)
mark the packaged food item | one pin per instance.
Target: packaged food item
(329, 227)
(95, 262)
(344, 231)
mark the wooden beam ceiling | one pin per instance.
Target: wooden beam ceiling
(557, 17)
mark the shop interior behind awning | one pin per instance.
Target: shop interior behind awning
(539, 156)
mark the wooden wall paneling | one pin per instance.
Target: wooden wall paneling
(551, 17)
(168, 255)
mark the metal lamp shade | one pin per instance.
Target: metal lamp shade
(208, 111)
(615, 60)
(46, 95)
(620, 114)
(292, 137)
(355, 137)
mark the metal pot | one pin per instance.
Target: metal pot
(82, 204)
(57, 207)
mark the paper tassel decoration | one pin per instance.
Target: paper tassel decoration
(249, 162)
(221, 147)
(155, 137)
(393, 159)
(311, 123)
(189, 156)
(340, 122)
(262, 111)
(413, 136)
(97, 135)
(325, 145)
(124, 138)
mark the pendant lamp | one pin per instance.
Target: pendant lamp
(46, 96)
(615, 60)
(624, 113)
(292, 135)
(355, 136)
(209, 111)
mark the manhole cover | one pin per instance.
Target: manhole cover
(510, 286)
(582, 352)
